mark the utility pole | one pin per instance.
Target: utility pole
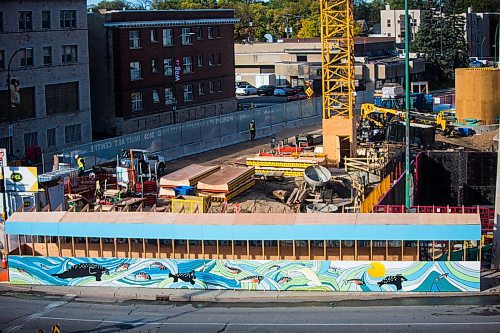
(407, 107)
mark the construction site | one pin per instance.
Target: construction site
(351, 171)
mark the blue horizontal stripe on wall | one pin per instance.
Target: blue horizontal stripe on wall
(248, 232)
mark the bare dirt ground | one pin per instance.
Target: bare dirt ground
(480, 142)
(259, 198)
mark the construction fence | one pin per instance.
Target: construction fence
(192, 137)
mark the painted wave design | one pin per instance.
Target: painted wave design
(245, 274)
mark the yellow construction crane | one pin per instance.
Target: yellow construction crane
(337, 39)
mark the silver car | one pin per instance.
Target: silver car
(283, 91)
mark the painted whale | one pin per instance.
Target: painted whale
(395, 280)
(82, 270)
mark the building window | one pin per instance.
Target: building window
(30, 139)
(186, 36)
(169, 96)
(51, 137)
(25, 20)
(154, 66)
(302, 58)
(134, 39)
(67, 19)
(168, 38)
(1, 21)
(27, 57)
(188, 93)
(154, 36)
(73, 133)
(217, 32)
(135, 71)
(210, 33)
(61, 98)
(201, 89)
(211, 87)
(167, 67)
(388, 23)
(136, 99)
(156, 96)
(69, 54)
(200, 60)
(187, 66)
(45, 19)
(219, 84)
(211, 59)
(199, 33)
(47, 55)
(2, 59)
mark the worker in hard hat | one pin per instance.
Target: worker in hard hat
(252, 130)
(81, 165)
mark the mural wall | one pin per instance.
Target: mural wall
(318, 275)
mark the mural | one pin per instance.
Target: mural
(319, 275)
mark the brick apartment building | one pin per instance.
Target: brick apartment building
(47, 41)
(155, 68)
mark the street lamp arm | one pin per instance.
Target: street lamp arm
(12, 58)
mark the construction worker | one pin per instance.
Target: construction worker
(81, 165)
(252, 130)
(120, 193)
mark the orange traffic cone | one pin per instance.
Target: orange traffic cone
(4, 261)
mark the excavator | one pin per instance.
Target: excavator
(374, 121)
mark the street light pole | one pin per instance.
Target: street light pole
(9, 92)
(407, 107)
(10, 131)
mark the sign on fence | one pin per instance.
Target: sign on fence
(21, 179)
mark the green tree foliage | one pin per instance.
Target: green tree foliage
(113, 5)
(441, 38)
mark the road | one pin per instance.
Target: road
(261, 101)
(28, 312)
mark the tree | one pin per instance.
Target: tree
(441, 38)
(113, 5)
(309, 28)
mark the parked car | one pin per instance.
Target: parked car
(298, 89)
(297, 97)
(267, 90)
(283, 91)
(246, 90)
(241, 84)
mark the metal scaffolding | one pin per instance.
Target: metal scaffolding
(337, 39)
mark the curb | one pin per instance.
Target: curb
(228, 296)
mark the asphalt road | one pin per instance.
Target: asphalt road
(27, 313)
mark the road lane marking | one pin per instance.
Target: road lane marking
(142, 323)
(40, 314)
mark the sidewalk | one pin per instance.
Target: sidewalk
(226, 296)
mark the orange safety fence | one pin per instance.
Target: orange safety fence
(373, 198)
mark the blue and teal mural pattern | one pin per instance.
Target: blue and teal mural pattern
(319, 275)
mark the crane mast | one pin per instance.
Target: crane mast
(337, 50)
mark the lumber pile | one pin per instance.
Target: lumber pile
(227, 183)
(289, 166)
(188, 176)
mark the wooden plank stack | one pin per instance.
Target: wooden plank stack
(289, 166)
(188, 176)
(227, 183)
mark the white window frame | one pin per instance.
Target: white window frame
(169, 96)
(188, 93)
(154, 36)
(210, 32)
(27, 54)
(168, 67)
(49, 55)
(187, 65)
(156, 96)
(201, 88)
(186, 36)
(211, 59)
(199, 32)
(136, 101)
(168, 37)
(211, 89)
(154, 66)
(135, 71)
(70, 51)
(134, 39)
(199, 60)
